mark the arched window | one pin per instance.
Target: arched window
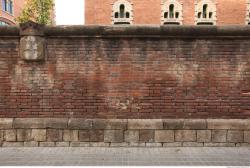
(7, 6)
(10, 6)
(248, 13)
(171, 13)
(2, 23)
(4, 5)
(122, 12)
(205, 12)
(127, 15)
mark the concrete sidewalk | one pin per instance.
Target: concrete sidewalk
(125, 156)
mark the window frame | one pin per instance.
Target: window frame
(8, 6)
(128, 11)
(248, 13)
(165, 13)
(202, 18)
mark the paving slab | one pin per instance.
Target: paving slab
(101, 156)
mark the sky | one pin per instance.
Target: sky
(69, 12)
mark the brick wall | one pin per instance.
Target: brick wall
(229, 12)
(128, 72)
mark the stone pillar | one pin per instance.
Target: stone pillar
(32, 42)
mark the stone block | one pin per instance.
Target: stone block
(146, 135)
(38, 134)
(247, 123)
(62, 144)
(204, 136)
(54, 135)
(131, 136)
(99, 144)
(192, 144)
(136, 144)
(115, 136)
(173, 144)
(12, 144)
(173, 124)
(110, 124)
(219, 135)
(185, 135)
(219, 144)
(31, 144)
(79, 144)
(76, 123)
(238, 144)
(96, 135)
(235, 136)
(164, 136)
(195, 124)
(247, 136)
(84, 135)
(47, 144)
(31, 28)
(122, 144)
(243, 145)
(32, 48)
(40, 123)
(6, 123)
(24, 135)
(10, 135)
(153, 144)
(227, 124)
(1, 135)
(70, 135)
(145, 124)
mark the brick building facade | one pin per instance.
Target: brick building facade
(10, 9)
(180, 12)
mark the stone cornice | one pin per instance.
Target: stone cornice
(138, 31)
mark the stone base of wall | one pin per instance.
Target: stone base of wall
(49, 132)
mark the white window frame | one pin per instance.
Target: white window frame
(248, 13)
(211, 7)
(116, 8)
(177, 8)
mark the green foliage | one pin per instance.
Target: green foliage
(38, 11)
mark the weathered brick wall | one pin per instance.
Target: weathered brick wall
(129, 72)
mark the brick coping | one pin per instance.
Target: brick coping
(138, 31)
